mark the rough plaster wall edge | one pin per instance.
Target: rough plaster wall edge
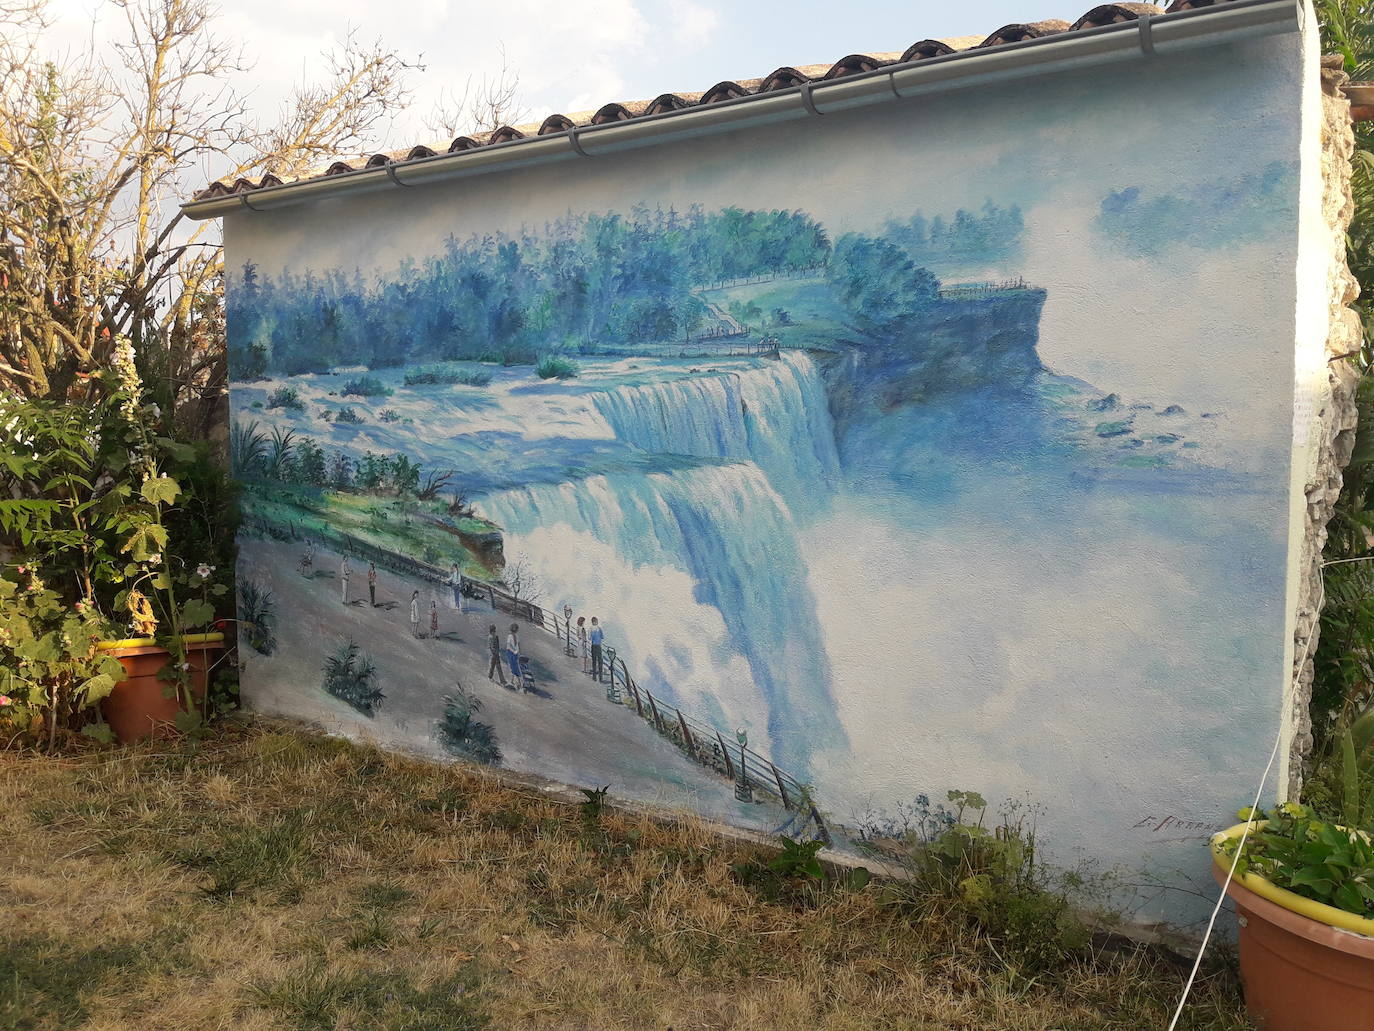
(1334, 421)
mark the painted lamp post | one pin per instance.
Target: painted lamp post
(744, 791)
(612, 691)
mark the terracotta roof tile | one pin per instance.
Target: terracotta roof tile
(788, 77)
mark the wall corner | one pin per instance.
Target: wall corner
(1329, 435)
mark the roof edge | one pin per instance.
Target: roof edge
(1138, 38)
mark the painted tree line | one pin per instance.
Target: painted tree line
(587, 281)
(993, 236)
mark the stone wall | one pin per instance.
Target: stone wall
(1336, 419)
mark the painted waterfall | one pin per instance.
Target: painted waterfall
(876, 485)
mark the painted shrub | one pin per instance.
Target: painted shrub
(936, 445)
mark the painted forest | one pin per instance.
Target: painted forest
(585, 282)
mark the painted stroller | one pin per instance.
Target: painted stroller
(526, 677)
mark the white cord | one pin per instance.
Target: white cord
(1264, 777)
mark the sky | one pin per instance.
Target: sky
(572, 55)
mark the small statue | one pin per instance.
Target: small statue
(145, 623)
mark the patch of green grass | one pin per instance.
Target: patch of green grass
(246, 859)
(316, 999)
(372, 931)
(49, 984)
(384, 894)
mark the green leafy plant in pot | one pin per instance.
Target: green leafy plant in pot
(1303, 886)
(83, 503)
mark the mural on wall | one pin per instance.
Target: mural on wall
(782, 512)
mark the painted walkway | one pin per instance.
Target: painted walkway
(567, 731)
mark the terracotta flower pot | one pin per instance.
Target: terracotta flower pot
(1306, 966)
(139, 706)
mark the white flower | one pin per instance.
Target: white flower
(204, 571)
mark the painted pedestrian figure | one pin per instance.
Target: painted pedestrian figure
(415, 614)
(455, 582)
(595, 638)
(495, 669)
(513, 651)
(345, 571)
(372, 583)
(433, 618)
(308, 559)
(582, 643)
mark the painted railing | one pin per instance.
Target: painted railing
(752, 773)
(973, 291)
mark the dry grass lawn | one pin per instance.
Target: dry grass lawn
(271, 879)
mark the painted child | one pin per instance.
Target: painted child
(433, 619)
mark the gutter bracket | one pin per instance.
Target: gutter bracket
(573, 133)
(892, 84)
(808, 101)
(391, 174)
(1147, 38)
(244, 198)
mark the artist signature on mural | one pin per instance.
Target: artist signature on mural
(1172, 827)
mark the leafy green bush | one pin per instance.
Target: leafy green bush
(389, 415)
(350, 676)
(48, 657)
(286, 397)
(431, 375)
(346, 414)
(365, 386)
(553, 366)
(462, 735)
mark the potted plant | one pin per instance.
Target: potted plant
(1304, 891)
(85, 501)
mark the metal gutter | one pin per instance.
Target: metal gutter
(1141, 39)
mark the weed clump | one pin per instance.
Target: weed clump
(990, 877)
